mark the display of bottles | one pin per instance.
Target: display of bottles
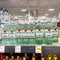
(29, 56)
(19, 30)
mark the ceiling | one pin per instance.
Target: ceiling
(36, 7)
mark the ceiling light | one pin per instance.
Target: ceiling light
(51, 9)
(23, 10)
(46, 14)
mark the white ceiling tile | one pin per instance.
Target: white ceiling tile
(33, 3)
(54, 3)
(44, 2)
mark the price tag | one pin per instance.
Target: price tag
(9, 49)
(27, 49)
(2, 49)
(17, 49)
(38, 49)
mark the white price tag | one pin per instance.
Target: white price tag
(38, 49)
(17, 49)
(2, 49)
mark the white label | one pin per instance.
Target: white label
(25, 34)
(4, 34)
(19, 34)
(17, 49)
(55, 32)
(12, 34)
(25, 40)
(31, 33)
(48, 33)
(2, 49)
(38, 49)
(39, 33)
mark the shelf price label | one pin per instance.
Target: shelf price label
(17, 49)
(9, 49)
(27, 49)
(38, 49)
(2, 49)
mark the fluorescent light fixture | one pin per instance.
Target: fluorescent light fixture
(23, 10)
(46, 14)
(51, 9)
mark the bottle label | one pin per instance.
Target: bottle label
(55, 32)
(48, 33)
(19, 34)
(4, 34)
(11, 34)
(31, 34)
(25, 34)
(39, 33)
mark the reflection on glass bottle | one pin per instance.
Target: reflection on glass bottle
(49, 57)
(33, 57)
(55, 57)
(25, 57)
(42, 57)
(18, 58)
(7, 58)
(12, 57)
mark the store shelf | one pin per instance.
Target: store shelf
(30, 49)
